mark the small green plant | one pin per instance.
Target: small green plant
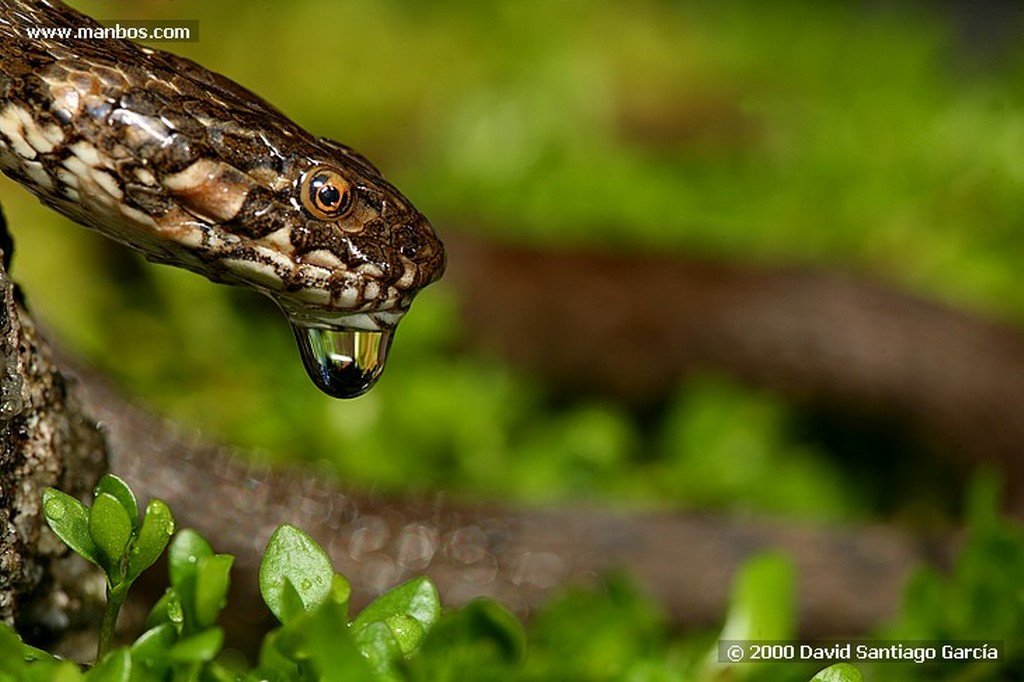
(110, 535)
(181, 641)
(611, 634)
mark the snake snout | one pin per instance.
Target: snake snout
(422, 253)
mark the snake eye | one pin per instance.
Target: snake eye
(325, 193)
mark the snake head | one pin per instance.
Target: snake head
(321, 232)
(358, 252)
(361, 250)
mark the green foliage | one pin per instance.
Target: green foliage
(301, 589)
(605, 635)
(762, 600)
(408, 611)
(182, 641)
(613, 633)
(481, 637)
(840, 672)
(981, 598)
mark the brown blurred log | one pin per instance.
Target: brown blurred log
(633, 325)
(850, 578)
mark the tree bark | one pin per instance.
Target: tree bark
(45, 440)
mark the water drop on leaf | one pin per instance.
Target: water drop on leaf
(55, 508)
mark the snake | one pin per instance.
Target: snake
(193, 170)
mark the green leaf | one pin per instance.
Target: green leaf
(263, 673)
(63, 671)
(166, 610)
(119, 490)
(408, 631)
(217, 672)
(115, 667)
(291, 605)
(484, 636)
(185, 552)
(491, 619)
(292, 556)
(762, 602)
(187, 549)
(337, 597)
(341, 591)
(69, 519)
(19, 661)
(276, 655)
(321, 639)
(111, 529)
(198, 648)
(840, 672)
(479, 621)
(153, 536)
(153, 644)
(416, 599)
(378, 646)
(212, 581)
(11, 657)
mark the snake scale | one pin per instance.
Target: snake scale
(193, 170)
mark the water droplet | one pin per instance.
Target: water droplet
(343, 363)
(55, 508)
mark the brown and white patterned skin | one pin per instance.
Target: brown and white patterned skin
(194, 170)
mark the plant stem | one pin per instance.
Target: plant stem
(115, 600)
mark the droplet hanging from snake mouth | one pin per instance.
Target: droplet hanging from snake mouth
(343, 363)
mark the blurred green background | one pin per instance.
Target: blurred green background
(878, 138)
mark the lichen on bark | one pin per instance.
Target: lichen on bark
(45, 440)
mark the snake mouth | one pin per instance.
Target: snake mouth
(313, 295)
(346, 299)
(361, 320)
(344, 350)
